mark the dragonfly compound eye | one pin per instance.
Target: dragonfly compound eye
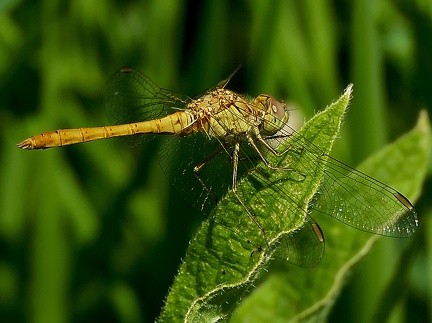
(275, 118)
(277, 108)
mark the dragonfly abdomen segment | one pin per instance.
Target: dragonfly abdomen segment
(171, 124)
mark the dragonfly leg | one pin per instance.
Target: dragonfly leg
(208, 190)
(235, 159)
(198, 167)
(273, 150)
(196, 171)
(262, 157)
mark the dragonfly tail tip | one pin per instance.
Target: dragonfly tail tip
(26, 144)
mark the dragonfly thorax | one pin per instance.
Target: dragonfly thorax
(222, 113)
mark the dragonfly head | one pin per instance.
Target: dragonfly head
(276, 115)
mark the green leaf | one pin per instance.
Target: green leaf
(230, 250)
(292, 293)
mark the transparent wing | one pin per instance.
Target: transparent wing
(132, 97)
(179, 156)
(304, 248)
(364, 203)
(353, 197)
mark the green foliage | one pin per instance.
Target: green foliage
(95, 232)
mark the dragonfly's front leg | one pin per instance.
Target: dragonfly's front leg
(270, 148)
(273, 151)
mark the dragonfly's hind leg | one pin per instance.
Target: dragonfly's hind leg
(196, 171)
(235, 159)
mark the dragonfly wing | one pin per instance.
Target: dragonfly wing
(179, 156)
(364, 203)
(303, 248)
(132, 97)
(353, 197)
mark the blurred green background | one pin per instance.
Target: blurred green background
(95, 232)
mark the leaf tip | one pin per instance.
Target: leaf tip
(423, 121)
(348, 90)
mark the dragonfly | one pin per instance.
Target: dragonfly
(218, 137)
